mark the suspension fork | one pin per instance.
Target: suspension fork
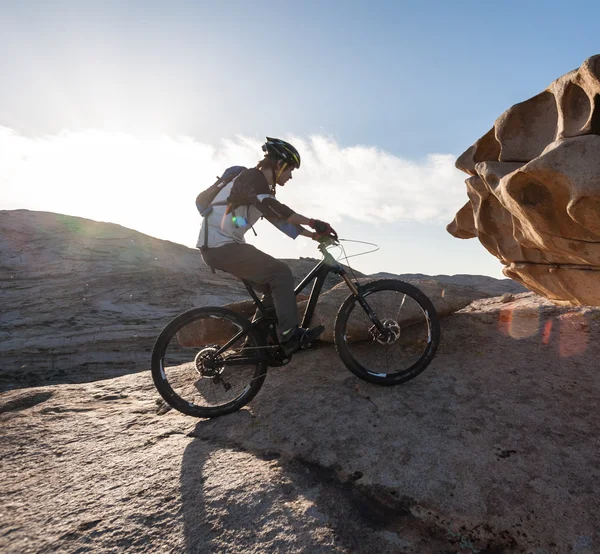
(355, 290)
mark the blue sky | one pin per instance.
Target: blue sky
(389, 83)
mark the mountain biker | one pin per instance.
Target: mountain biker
(250, 196)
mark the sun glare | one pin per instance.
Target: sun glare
(569, 333)
(149, 183)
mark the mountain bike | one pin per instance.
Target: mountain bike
(212, 361)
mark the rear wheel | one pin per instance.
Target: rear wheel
(405, 346)
(193, 376)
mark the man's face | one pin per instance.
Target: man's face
(285, 175)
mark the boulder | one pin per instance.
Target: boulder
(534, 190)
(446, 298)
(209, 331)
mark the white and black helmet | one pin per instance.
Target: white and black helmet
(281, 150)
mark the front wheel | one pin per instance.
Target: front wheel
(196, 374)
(396, 341)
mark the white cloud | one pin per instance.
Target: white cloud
(149, 183)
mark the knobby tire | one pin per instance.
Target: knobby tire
(361, 367)
(169, 334)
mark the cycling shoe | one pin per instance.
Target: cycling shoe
(301, 338)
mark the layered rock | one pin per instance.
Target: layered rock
(85, 300)
(446, 298)
(534, 189)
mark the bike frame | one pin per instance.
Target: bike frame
(319, 273)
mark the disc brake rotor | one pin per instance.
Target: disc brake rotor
(391, 335)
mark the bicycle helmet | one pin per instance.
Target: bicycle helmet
(281, 150)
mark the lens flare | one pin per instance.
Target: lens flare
(547, 332)
(519, 323)
(569, 331)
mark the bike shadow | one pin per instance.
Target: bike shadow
(249, 479)
(235, 499)
(507, 391)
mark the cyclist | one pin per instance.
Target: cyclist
(250, 196)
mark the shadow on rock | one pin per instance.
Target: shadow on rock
(237, 500)
(493, 446)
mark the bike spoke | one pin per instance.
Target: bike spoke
(204, 370)
(399, 345)
(401, 304)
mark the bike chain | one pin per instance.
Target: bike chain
(257, 347)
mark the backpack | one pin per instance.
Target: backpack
(205, 200)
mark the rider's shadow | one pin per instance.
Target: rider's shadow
(235, 500)
(246, 479)
(229, 497)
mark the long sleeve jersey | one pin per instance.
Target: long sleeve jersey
(250, 198)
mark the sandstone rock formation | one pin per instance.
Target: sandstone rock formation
(534, 189)
(447, 299)
(84, 300)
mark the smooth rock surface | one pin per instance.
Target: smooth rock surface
(494, 448)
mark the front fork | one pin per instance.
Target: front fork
(355, 289)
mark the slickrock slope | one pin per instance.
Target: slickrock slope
(79, 293)
(494, 448)
(534, 189)
(83, 300)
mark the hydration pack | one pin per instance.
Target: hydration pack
(205, 200)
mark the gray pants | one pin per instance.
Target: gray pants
(266, 274)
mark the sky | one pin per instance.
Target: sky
(124, 111)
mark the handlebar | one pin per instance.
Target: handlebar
(324, 242)
(327, 241)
